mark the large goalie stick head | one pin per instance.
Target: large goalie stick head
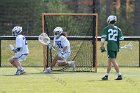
(44, 39)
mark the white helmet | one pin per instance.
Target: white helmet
(16, 30)
(111, 19)
(58, 31)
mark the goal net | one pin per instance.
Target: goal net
(82, 34)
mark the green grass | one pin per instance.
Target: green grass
(34, 81)
(125, 57)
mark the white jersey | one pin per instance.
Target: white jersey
(22, 43)
(62, 42)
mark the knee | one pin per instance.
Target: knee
(11, 60)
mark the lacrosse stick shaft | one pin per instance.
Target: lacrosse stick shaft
(11, 46)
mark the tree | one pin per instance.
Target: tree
(108, 7)
(137, 17)
(123, 9)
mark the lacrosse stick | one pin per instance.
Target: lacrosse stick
(45, 40)
(11, 46)
(128, 46)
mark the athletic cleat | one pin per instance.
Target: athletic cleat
(105, 77)
(22, 71)
(47, 71)
(18, 72)
(119, 77)
(72, 64)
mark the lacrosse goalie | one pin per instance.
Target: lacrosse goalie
(63, 44)
(112, 34)
(21, 50)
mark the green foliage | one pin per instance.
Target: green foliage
(27, 13)
(57, 6)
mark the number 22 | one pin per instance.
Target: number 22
(112, 34)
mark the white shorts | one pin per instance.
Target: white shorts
(64, 55)
(21, 57)
(61, 61)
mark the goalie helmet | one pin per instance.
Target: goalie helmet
(111, 19)
(16, 30)
(58, 31)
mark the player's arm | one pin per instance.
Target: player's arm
(102, 44)
(103, 38)
(121, 37)
(16, 49)
(18, 45)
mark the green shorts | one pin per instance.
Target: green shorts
(112, 54)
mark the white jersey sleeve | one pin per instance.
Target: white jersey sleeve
(65, 42)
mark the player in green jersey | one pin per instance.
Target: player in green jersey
(112, 34)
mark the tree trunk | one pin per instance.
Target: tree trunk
(137, 18)
(123, 9)
(108, 8)
(98, 6)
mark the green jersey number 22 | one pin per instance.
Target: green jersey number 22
(112, 34)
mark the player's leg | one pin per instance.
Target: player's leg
(110, 56)
(54, 61)
(15, 61)
(63, 62)
(116, 66)
(22, 58)
(105, 77)
(66, 63)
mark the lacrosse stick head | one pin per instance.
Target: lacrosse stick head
(44, 39)
(129, 46)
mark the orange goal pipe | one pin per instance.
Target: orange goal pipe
(71, 14)
(96, 63)
(44, 47)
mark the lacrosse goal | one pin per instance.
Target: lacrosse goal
(82, 34)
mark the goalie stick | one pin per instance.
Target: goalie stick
(45, 40)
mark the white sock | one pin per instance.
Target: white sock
(119, 73)
(106, 74)
(49, 68)
(21, 68)
(18, 68)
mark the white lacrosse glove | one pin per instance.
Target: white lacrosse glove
(51, 46)
(12, 48)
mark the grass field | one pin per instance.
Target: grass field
(70, 82)
(34, 81)
(125, 57)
